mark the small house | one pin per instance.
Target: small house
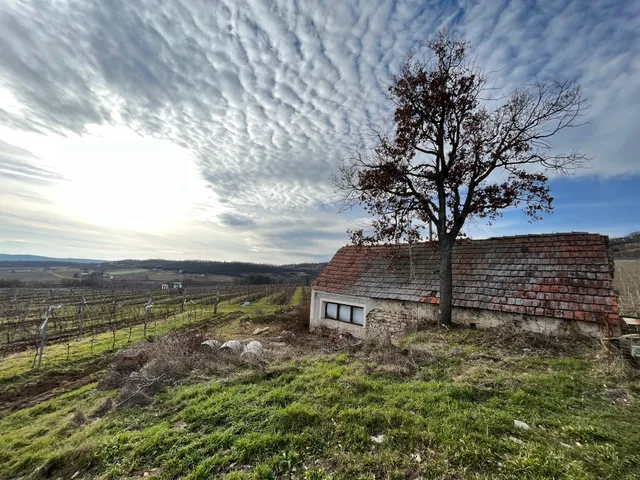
(177, 285)
(558, 284)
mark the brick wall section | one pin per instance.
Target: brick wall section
(565, 276)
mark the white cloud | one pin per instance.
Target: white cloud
(242, 110)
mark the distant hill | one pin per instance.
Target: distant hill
(627, 247)
(255, 272)
(4, 257)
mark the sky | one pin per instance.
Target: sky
(193, 129)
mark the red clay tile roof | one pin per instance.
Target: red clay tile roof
(568, 275)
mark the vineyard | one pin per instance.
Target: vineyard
(34, 319)
(627, 283)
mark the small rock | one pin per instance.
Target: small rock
(254, 344)
(215, 344)
(378, 439)
(566, 445)
(521, 425)
(233, 345)
(258, 331)
(277, 344)
(416, 457)
(254, 349)
(246, 304)
(516, 440)
(75, 475)
(578, 444)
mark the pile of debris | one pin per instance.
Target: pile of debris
(144, 370)
(628, 346)
(252, 349)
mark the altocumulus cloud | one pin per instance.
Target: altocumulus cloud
(268, 96)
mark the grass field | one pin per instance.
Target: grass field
(169, 276)
(116, 272)
(440, 405)
(53, 275)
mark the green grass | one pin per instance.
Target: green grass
(80, 351)
(298, 296)
(313, 418)
(16, 372)
(127, 271)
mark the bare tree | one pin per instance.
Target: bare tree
(450, 157)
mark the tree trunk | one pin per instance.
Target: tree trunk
(446, 280)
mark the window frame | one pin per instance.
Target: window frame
(338, 305)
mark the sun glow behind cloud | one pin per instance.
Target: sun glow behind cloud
(118, 179)
(115, 178)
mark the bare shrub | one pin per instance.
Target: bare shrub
(387, 358)
(169, 360)
(301, 314)
(104, 408)
(511, 338)
(124, 363)
(78, 419)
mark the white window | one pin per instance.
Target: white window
(331, 310)
(358, 315)
(344, 313)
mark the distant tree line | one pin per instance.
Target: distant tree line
(44, 264)
(627, 246)
(233, 269)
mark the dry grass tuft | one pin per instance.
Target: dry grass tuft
(104, 408)
(78, 419)
(513, 339)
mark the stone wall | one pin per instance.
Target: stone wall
(392, 319)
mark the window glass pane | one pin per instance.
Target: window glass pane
(358, 315)
(332, 310)
(345, 313)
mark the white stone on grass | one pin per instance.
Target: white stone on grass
(521, 425)
(215, 344)
(233, 345)
(254, 349)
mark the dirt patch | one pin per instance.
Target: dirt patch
(46, 385)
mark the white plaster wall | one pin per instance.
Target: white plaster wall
(383, 318)
(528, 323)
(316, 319)
(394, 318)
